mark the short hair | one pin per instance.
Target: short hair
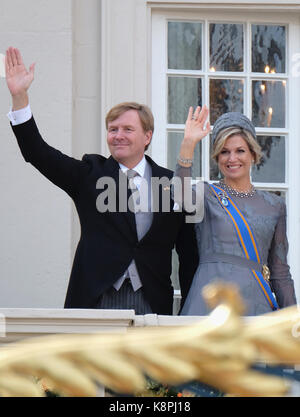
(225, 134)
(144, 112)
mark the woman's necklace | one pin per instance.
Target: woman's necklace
(236, 193)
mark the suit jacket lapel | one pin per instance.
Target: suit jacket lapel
(158, 172)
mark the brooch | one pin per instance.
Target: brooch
(223, 198)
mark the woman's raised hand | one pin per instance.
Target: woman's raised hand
(197, 126)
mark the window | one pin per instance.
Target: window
(238, 66)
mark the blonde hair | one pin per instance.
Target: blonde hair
(225, 134)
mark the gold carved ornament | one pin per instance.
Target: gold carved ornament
(219, 350)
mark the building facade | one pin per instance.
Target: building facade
(233, 56)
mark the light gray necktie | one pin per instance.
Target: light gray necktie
(132, 270)
(143, 221)
(131, 173)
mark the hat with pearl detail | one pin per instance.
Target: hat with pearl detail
(232, 119)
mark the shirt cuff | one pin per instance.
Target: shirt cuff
(18, 117)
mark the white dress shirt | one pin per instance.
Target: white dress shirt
(18, 117)
(139, 168)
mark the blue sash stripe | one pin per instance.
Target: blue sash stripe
(266, 290)
(246, 239)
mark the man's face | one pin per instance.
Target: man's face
(127, 139)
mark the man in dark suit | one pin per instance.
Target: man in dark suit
(123, 258)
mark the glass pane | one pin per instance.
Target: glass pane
(272, 165)
(184, 45)
(183, 92)
(174, 143)
(226, 47)
(268, 103)
(225, 96)
(268, 48)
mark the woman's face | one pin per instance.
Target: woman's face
(235, 159)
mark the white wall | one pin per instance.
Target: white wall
(35, 216)
(126, 53)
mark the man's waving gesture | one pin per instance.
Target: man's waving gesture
(18, 78)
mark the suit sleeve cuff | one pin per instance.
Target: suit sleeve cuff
(18, 117)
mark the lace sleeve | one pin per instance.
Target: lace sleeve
(281, 280)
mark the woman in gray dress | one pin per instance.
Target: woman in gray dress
(221, 248)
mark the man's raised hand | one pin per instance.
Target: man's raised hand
(18, 78)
